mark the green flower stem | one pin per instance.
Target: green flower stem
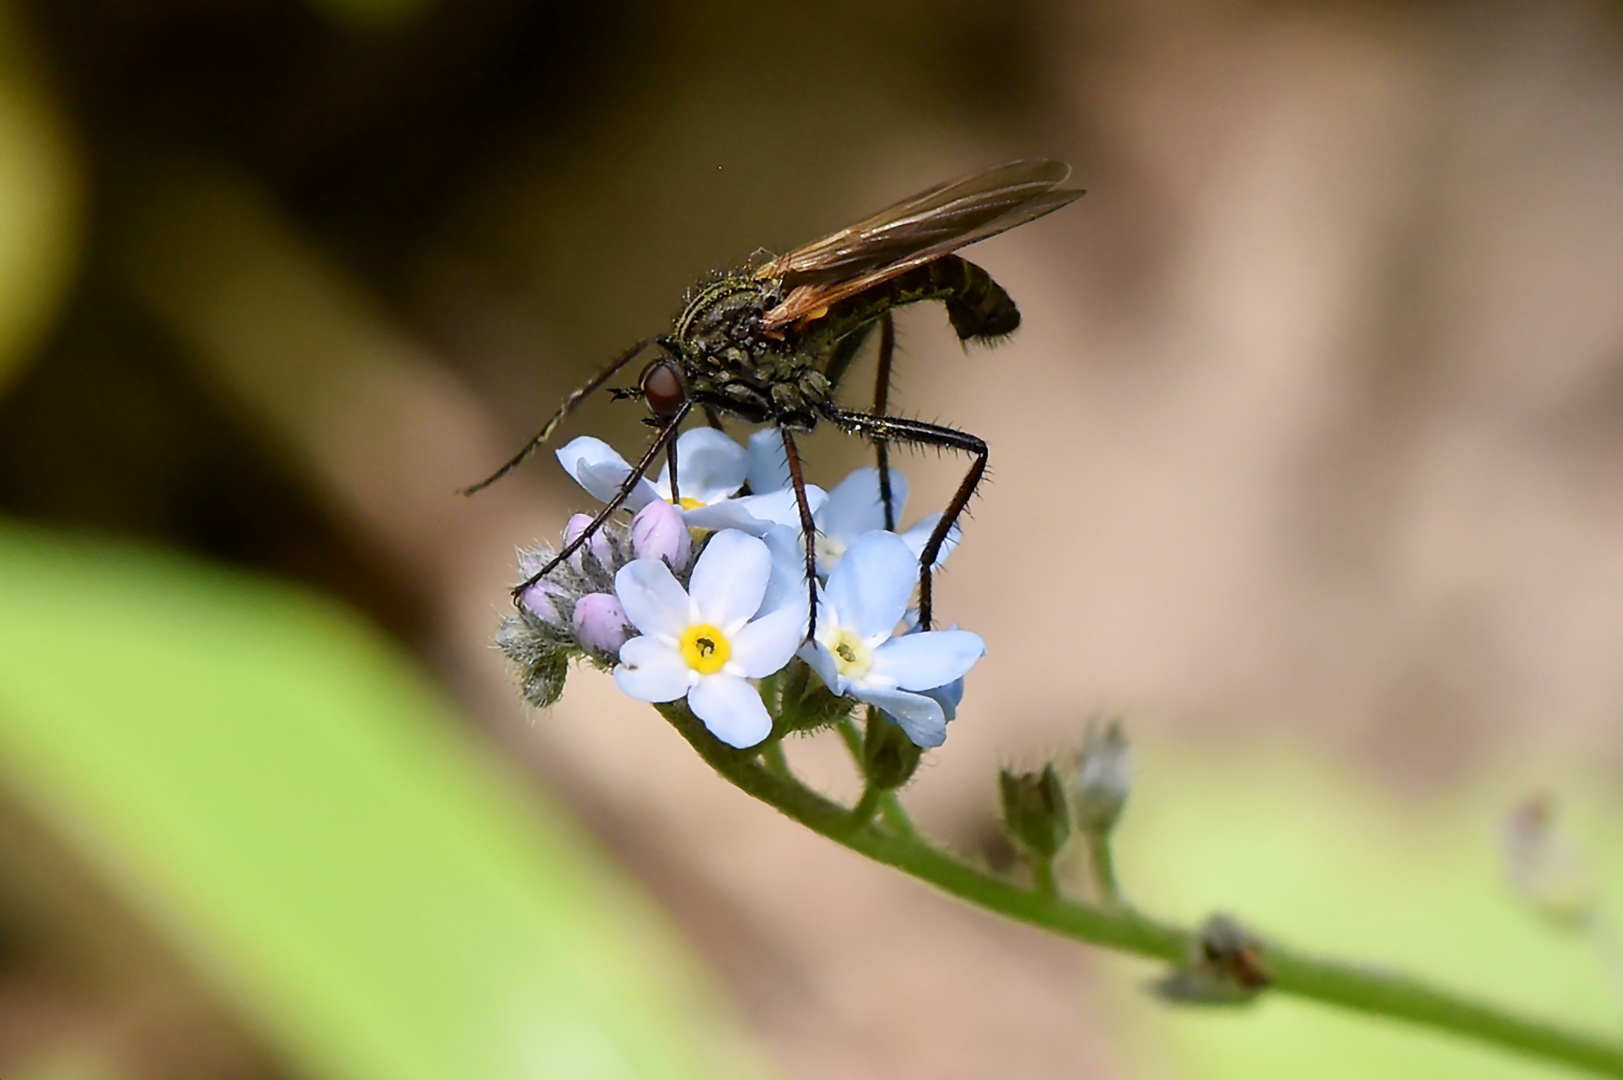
(890, 807)
(1362, 989)
(896, 819)
(1042, 878)
(852, 737)
(772, 757)
(1103, 862)
(866, 807)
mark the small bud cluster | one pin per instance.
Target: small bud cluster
(1082, 795)
(574, 613)
(1034, 810)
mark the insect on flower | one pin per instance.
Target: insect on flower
(769, 342)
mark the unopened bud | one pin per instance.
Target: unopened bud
(658, 532)
(601, 623)
(1034, 810)
(1544, 867)
(889, 757)
(806, 704)
(598, 545)
(1104, 776)
(536, 601)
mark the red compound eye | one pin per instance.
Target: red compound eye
(662, 389)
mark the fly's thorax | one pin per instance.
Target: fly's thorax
(723, 319)
(734, 365)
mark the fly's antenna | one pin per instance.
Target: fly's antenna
(575, 397)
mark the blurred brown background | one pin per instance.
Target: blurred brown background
(1315, 424)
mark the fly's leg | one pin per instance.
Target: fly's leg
(896, 429)
(670, 464)
(638, 471)
(881, 398)
(575, 397)
(808, 528)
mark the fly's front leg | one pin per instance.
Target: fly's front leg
(896, 429)
(575, 397)
(626, 488)
(670, 466)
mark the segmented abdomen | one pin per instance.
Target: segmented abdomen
(977, 306)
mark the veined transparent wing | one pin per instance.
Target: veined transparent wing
(915, 231)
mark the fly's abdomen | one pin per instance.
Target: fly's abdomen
(977, 306)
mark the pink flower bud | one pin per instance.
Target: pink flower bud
(598, 544)
(658, 532)
(600, 622)
(538, 603)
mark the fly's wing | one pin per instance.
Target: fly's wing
(913, 232)
(810, 301)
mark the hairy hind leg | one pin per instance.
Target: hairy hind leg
(896, 429)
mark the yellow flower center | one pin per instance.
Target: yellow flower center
(851, 657)
(690, 504)
(829, 551)
(705, 648)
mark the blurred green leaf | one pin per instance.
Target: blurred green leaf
(292, 808)
(1319, 857)
(40, 205)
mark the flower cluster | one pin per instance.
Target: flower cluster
(696, 598)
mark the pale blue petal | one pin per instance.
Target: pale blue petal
(768, 465)
(651, 670)
(916, 714)
(731, 708)
(948, 697)
(871, 585)
(768, 643)
(604, 481)
(854, 507)
(821, 660)
(652, 598)
(928, 660)
(729, 579)
(755, 514)
(597, 468)
(919, 535)
(787, 582)
(711, 466)
(727, 514)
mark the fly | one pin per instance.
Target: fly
(770, 342)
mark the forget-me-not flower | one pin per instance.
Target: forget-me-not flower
(705, 642)
(857, 651)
